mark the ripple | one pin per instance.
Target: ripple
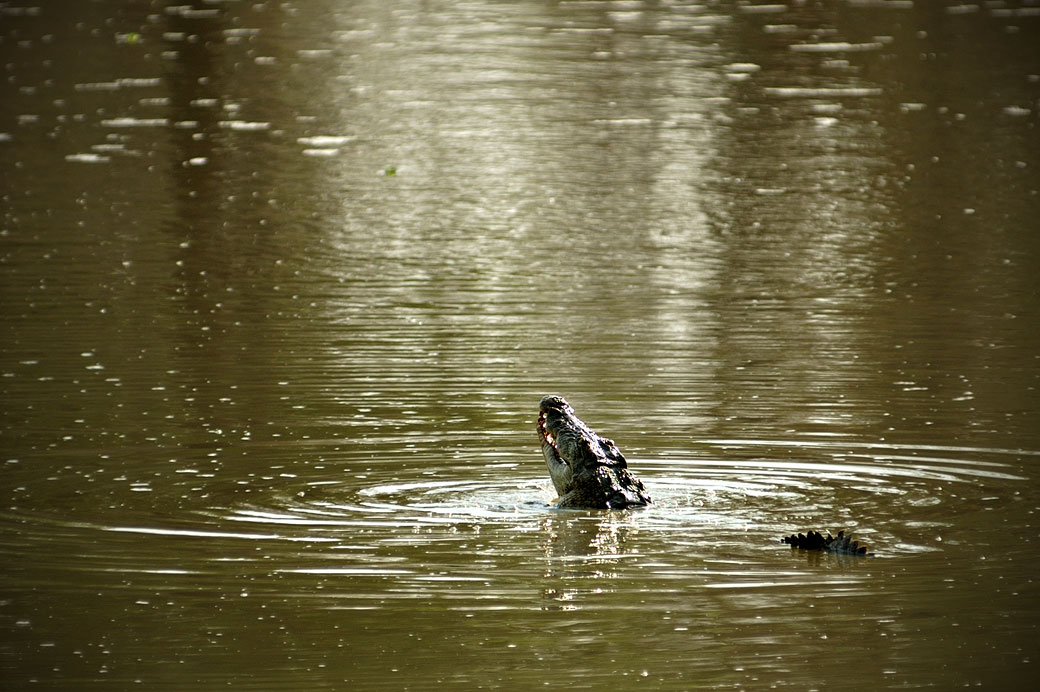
(398, 504)
(725, 499)
(779, 479)
(196, 533)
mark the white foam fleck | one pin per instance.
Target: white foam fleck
(135, 122)
(322, 141)
(1017, 111)
(837, 47)
(244, 125)
(87, 158)
(320, 152)
(824, 92)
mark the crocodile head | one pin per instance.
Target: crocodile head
(587, 470)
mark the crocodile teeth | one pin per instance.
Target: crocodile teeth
(546, 435)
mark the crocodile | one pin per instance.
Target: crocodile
(589, 472)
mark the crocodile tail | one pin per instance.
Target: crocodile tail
(846, 546)
(814, 540)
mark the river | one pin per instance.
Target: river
(283, 284)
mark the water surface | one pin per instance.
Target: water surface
(283, 284)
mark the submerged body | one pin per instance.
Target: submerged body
(589, 472)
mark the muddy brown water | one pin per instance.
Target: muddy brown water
(283, 284)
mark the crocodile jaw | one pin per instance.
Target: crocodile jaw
(560, 470)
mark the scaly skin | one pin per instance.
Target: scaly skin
(841, 544)
(588, 471)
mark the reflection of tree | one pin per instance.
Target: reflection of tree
(800, 222)
(581, 551)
